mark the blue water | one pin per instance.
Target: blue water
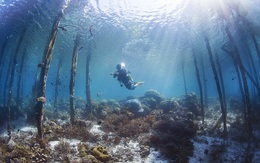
(153, 38)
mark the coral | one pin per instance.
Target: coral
(78, 131)
(191, 103)
(21, 151)
(134, 106)
(113, 122)
(83, 148)
(173, 139)
(39, 154)
(100, 153)
(150, 102)
(216, 151)
(63, 147)
(154, 94)
(134, 128)
(168, 105)
(90, 159)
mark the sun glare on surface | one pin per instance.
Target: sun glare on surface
(138, 7)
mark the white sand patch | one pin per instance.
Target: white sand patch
(73, 143)
(29, 129)
(155, 156)
(95, 129)
(233, 151)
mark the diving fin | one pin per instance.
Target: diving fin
(138, 84)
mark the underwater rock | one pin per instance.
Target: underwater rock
(168, 105)
(100, 153)
(154, 94)
(134, 106)
(150, 102)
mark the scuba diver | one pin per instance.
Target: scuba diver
(124, 77)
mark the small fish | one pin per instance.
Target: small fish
(62, 28)
(40, 65)
(90, 31)
(99, 122)
(233, 77)
(99, 94)
(80, 48)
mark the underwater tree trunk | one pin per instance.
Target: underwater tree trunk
(218, 121)
(13, 64)
(6, 80)
(238, 78)
(200, 86)
(256, 45)
(222, 82)
(2, 57)
(249, 152)
(19, 84)
(205, 84)
(217, 84)
(245, 70)
(246, 90)
(57, 85)
(183, 75)
(255, 72)
(44, 74)
(72, 79)
(88, 82)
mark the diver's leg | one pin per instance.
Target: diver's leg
(138, 84)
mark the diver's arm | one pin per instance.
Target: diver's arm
(121, 84)
(115, 74)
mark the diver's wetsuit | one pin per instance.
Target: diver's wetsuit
(123, 76)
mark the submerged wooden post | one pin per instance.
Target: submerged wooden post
(57, 85)
(222, 82)
(13, 64)
(200, 86)
(256, 45)
(243, 73)
(183, 76)
(204, 83)
(88, 81)
(255, 73)
(246, 91)
(72, 79)
(44, 74)
(6, 80)
(2, 57)
(238, 78)
(217, 84)
(19, 84)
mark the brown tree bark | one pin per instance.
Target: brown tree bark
(200, 86)
(13, 64)
(72, 79)
(44, 75)
(217, 84)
